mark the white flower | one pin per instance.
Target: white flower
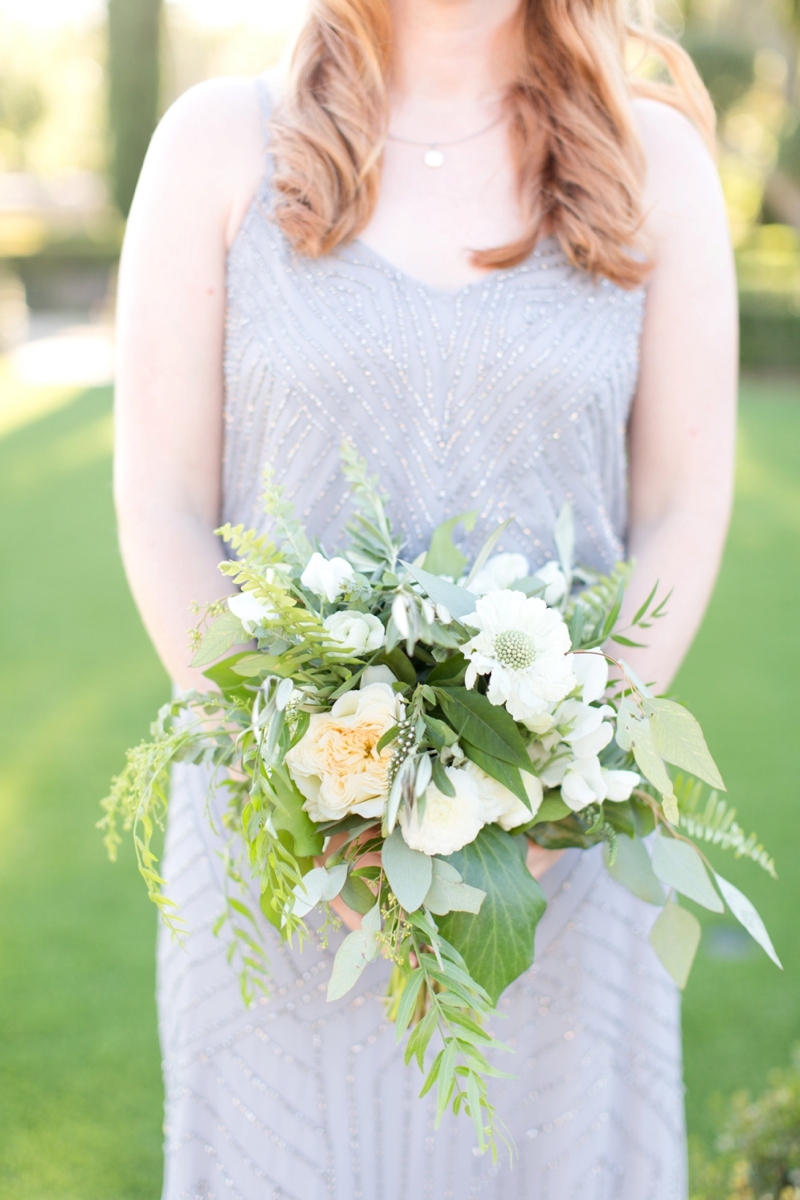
(326, 578)
(524, 647)
(449, 822)
(552, 575)
(619, 784)
(380, 674)
(591, 672)
(588, 733)
(501, 806)
(336, 765)
(583, 783)
(251, 611)
(500, 571)
(356, 631)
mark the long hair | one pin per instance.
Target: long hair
(579, 162)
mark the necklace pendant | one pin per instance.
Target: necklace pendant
(433, 157)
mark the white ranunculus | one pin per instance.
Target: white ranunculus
(499, 805)
(449, 822)
(325, 577)
(336, 764)
(591, 672)
(251, 611)
(355, 631)
(524, 648)
(552, 575)
(619, 784)
(500, 571)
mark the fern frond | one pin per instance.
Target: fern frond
(248, 543)
(715, 822)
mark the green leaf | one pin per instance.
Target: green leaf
(680, 865)
(357, 949)
(675, 937)
(357, 895)
(387, 739)
(679, 739)
(448, 893)
(441, 780)
(449, 673)
(457, 600)
(251, 665)
(223, 675)
(503, 772)
(635, 733)
(408, 1000)
(564, 537)
(445, 1080)
(408, 871)
(443, 558)
(745, 912)
(496, 943)
(552, 808)
(484, 724)
(420, 1036)
(484, 552)
(291, 816)
(223, 633)
(399, 664)
(632, 868)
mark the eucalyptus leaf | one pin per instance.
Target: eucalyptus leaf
(408, 871)
(632, 868)
(678, 864)
(308, 893)
(675, 937)
(443, 558)
(497, 942)
(357, 895)
(357, 949)
(564, 537)
(484, 724)
(457, 600)
(746, 913)
(225, 631)
(679, 739)
(485, 550)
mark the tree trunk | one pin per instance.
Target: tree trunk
(134, 28)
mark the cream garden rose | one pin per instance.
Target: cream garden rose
(501, 806)
(336, 764)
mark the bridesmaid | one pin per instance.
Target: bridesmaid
(500, 264)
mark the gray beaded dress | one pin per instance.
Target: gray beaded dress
(509, 396)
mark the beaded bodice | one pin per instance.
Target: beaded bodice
(507, 396)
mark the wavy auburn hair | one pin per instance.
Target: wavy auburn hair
(579, 161)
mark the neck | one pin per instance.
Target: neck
(451, 61)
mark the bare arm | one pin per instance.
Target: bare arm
(682, 430)
(201, 171)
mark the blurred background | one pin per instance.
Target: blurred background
(82, 83)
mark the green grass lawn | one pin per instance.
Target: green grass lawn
(80, 1092)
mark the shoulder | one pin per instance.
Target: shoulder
(682, 188)
(209, 146)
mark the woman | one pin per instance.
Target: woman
(482, 252)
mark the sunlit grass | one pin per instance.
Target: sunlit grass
(80, 1093)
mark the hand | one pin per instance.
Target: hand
(539, 860)
(351, 918)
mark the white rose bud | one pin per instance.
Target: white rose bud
(327, 578)
(443, 614)
(355, 631)
(400, 615)
(251, 611)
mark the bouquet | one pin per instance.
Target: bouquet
(397, 736)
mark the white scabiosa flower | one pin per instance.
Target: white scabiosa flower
(251, 611)
(499, 805)
(449, 822)
(327, 578)
(556, 583)
(355, 631)
(523, 646)
(500, 571)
